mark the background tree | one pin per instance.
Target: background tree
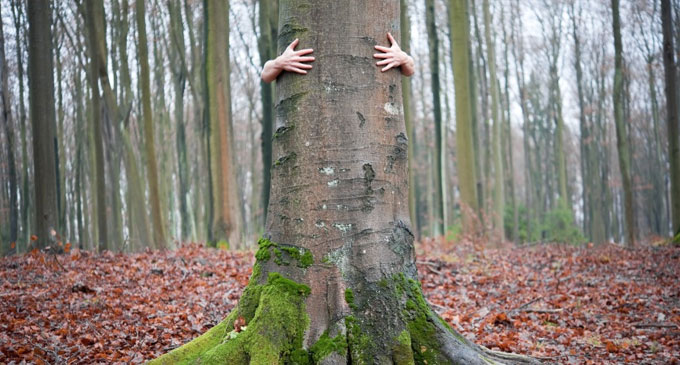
(672, 112)
(41, 92)
(464, 138)
(226, 218)
(621, 133)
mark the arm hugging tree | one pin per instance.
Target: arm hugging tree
(335, 280)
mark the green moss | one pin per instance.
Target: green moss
(419, 322)
(359, 343)
(262, 253)
(349, 298)
(275, 332)
(402, 354)
(190, 352)
(383, 283)
(326, 346)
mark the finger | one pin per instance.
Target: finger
(297, 70)
(294, 44)
(383, 49)
(303, 52)
(389, 66)
(382, 55)
(303, 66)
(392, 41)
(304, 59)
(384, 62)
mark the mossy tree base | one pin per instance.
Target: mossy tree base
(271, 323)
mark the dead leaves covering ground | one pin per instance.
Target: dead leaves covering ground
(598, 305)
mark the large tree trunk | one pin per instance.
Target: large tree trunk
(672, 112)
(335, 281)
(41, 92)
(621, 133)
(459, 38)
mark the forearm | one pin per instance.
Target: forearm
(408, 68)
(271, 71)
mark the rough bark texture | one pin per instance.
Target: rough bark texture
(41, 93)
(672, 112)
(335, 280)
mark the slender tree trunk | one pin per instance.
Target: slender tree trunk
(268, 20)
(19, 40)
(433, 42)
(149, 144)
(459, 38)
(41, 92)
(621, 134)
(226, 213)
(177, 59)
(407, 94)
(672, 113)
(9, 134)
(498, 194)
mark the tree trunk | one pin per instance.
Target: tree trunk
(149, 144)
(498, 194)
(19, 40)
(9, 134)
(268, 19)
(672, 113)
(226, 213)
(433, 46)
(621, 134)
(41, 93)
(459, 38)
(177, 59)
(338, 240)
(407, 95)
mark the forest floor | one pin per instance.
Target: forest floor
(601, 305)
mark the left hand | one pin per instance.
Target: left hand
(394, 57)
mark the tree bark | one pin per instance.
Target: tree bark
(335, 281)
(41, 93)
(621, 133)
(672, 113)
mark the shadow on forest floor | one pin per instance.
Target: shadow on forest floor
(573, 305)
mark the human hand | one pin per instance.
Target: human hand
(290, 60)
(394, 57)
